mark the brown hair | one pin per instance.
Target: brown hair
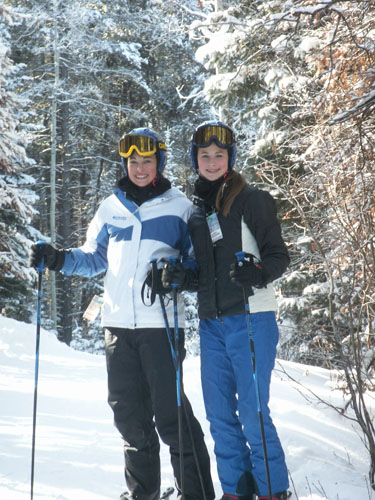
(232, 185)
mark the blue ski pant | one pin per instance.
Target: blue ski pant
(231, 403)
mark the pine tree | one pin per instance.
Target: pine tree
(16, 197)
(83, 65)
(96, 70)
(296, 79)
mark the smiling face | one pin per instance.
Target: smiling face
(212, 162)
(142, 169)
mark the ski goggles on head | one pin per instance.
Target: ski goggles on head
(141, 144)
(221, 134)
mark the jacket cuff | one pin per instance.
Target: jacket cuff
(59, 261)
(191, 280)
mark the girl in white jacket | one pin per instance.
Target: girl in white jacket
(144, 219)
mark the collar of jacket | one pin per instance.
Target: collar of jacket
(205, 193)
(141, 194)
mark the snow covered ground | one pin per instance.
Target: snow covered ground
(79, 451)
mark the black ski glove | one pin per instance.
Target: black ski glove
(247, 273)
(53, 259)
(174, 274)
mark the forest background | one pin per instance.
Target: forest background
(295, 79)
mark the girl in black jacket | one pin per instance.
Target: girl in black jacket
(234, 217)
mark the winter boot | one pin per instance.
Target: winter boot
(165, 495)
(282, 495)
(125, 496)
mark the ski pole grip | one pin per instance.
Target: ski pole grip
(173, 262)
(41, 266)
(240, 256)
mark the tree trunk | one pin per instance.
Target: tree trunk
(65, 224)
(52, 277)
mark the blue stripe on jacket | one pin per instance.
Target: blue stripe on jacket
(88, 263)
(168, 229)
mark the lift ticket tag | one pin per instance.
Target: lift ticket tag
(93, 308)
(214, 227)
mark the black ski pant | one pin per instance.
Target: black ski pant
(142, 394)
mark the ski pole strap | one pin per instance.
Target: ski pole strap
(154, 270)
(153, 273)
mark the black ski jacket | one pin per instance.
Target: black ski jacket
(251, 226)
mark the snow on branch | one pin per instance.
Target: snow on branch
(363, 105)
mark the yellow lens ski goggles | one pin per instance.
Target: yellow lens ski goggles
(206, 134)
(141, 144)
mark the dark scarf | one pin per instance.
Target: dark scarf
(141, 194)
(207, 191)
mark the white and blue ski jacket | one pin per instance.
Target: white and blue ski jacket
(122, 239)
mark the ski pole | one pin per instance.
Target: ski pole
(173, 261)
(165, 317)
(174, 358)
(246, 293)
(40, 269)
